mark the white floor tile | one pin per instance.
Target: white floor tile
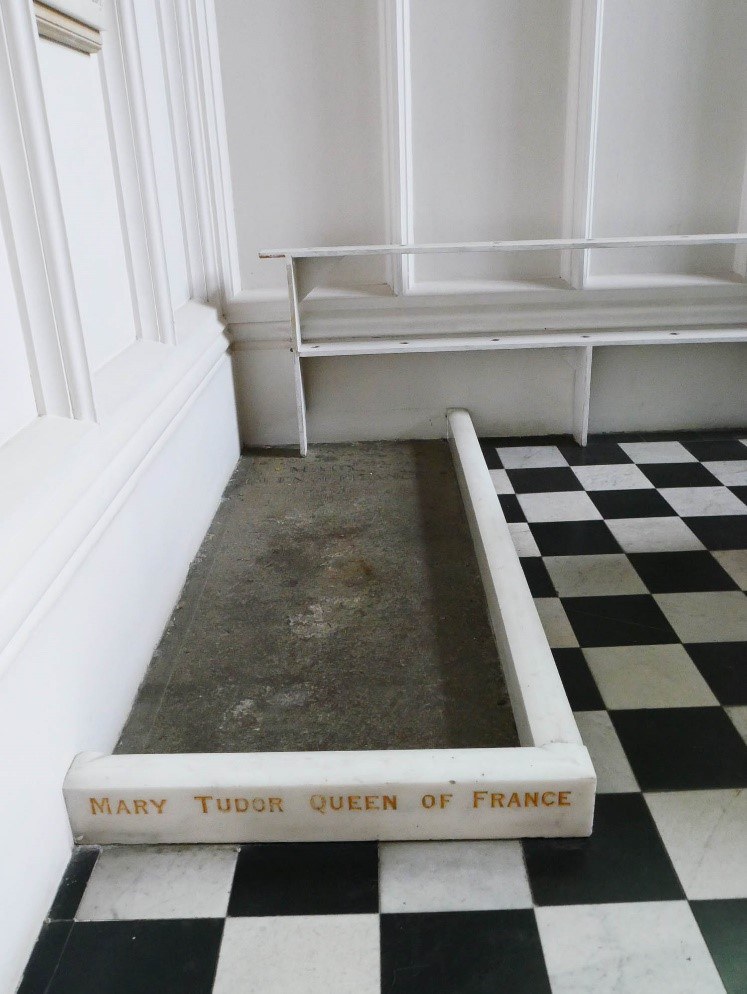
(732, 473)
(626, 949)
(452, 876)
(501, 481)
(302, 954)
(159, 882)
(524, 542)
(648, 676)
(614, 775)
(734, 562)
(705, 833)
(701, 501)
(651, 452)
(567, 505)
(555, 622)
(531, 456)
(654, 535)
(588, 576)
(624, 477)
(738, 715)
(706, 617)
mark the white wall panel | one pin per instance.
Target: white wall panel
(488, 130)
(302, 87)
(672, 129)
(17, 403)
(668, 388)
(77, 121)
(163, 149)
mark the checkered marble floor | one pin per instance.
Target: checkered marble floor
(636, 552)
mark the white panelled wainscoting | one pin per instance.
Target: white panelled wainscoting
(117, 417)
(424, 121)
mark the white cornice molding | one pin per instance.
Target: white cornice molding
(59, 27)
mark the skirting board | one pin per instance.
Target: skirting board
(545, 787)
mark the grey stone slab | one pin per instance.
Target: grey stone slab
(335, 604)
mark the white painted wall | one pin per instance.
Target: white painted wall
(70, 687)
(104, 501)
(302, 89)
(159, 120)
(17, 403)
(77, 121)
(669, 387)
(488, 129)
(672, 130)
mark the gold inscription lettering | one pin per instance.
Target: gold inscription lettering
(428, 801)
(513, 801)
(220, 802)
(551, 795)
(496, 800)
(122, 808)
(241, 804)
(258, 803)
(390, 802)
(372, 802)
(563, 798)
(477, 797)
(354, 802)
(336, 803)
(141, 807)
(103, 805)
(531, 800)
(276, 803)
(158, 805)
(203, 799)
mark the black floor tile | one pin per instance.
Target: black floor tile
(509, 441)
(716, 451)
(623, 860)
(624, 620)
(491, 456)
(578, 682)
(553, 479)
(309, 878)
(682, 748)
(724, 928)
(573, 538)
(740, 492)
(470, 952)
(73, 882)
(45, 957)
(595, 454)
(511, 508)
(680, 572)
(723, 666)
(679, 474)
(630, 504)
(537, 576)
(150, 957)
(721, 531)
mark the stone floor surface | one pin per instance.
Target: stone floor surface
(335, 604)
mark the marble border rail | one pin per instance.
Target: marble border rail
(544, 787)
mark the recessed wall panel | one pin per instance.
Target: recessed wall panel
(303, 91)
(77, 122)
(672, 131)
(488, 131)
